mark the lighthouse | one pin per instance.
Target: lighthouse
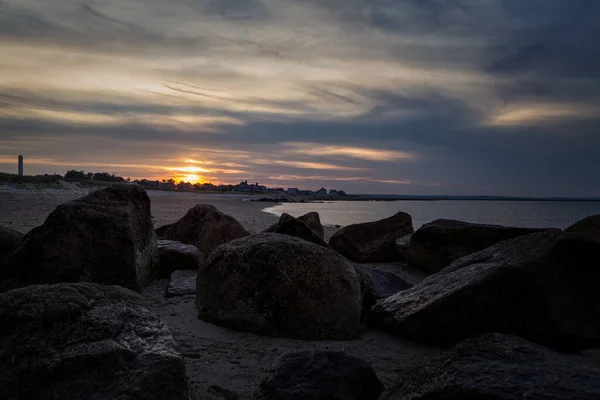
(20, 165)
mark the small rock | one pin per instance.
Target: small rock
(182, 282)
(176, 255)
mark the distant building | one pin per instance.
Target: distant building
(337, 192)
(306, 192)
(20, 165)
(321, 191)
(293, 191)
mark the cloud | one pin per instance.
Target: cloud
(413, 96)
(319, 150)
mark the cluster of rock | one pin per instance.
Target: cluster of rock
(505, 299)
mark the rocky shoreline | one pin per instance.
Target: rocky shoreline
(289, 310)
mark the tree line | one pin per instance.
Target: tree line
(95, 176)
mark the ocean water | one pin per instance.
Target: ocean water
(535, 214)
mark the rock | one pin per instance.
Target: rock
(160, 232)
(288, 225)
(105, 237)
(82, 340)
(499, 367)
(372, 241)
(206, 228)
(589, 227)
(9, 240)
(280, 286)
(320, 375)
(176, 255)
(313, 221)
(368, 298)
(539, 286)
(435, 245)
(182, 283)
(384, 283)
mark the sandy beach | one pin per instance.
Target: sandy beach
(217, 358)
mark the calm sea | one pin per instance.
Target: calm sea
(536, 214)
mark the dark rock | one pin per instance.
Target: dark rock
(320, 375)
(223, 393)
(206, 228)
(313, 221)
(589, 227)
(9, 240)
(176, 255)
(288, 225)
(384, 283)
(281, 286)
(368, 298)
(105, 237)
(182, 283)
(372, 241)
(437, 244)
(539, 286)
(160, 232)
(82, 340)
(499, 367)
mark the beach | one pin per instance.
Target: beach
(222, 363)
(23, 210)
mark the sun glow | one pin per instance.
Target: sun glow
(191, 178)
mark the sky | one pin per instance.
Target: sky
(455, 97)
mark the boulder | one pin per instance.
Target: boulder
(174, 256)
(499, 367)
(105, 237)
(589, 227)
(313, 221)
(206, 228)
(372, 241)
(539, 286)
(436, 244)
(9, 240)
(288, 225)
(182, 283)
(83, 340)
(280, 286)
(384, 283)
(320, 375)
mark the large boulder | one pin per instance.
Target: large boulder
(9, 240)
(174, 256)
(540, 286)
(372, 241)
(105, 237)
(288, 225)
(436, 244)
(589, 227)
(83, 340)
(280, 286)
(320, 375)
(499, 367)
(206, 228)
(313, 221)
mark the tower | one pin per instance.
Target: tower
(20, 165)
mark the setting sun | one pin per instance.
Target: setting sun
(191, 178)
